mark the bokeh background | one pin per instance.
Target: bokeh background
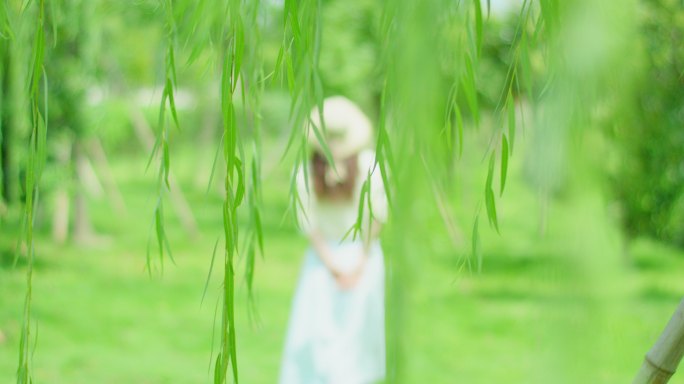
(581, 278)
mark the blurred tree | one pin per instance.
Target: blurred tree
(649, 181)
(70, 69)
(14, 122)
(350, 50)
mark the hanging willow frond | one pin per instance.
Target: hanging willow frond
(300, 52)
(161, 147)
(35, 163)
(253, 88)
(5, 26)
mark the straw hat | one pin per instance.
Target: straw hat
(347, 129)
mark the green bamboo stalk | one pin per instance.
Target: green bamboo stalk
(661, 362)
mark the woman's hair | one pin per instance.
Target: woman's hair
(340, 190)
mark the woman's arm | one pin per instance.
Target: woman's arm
(346, 280)
(325, 254)
(322, 250)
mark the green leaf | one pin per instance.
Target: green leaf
(490, 170)
(159, 226)
(504, 162)
(489, 194)
(211, 268)
(470, 89)
(232, 345)
(41, 142)
(218, 372)
(38, 55)
(172, 103)
(167, 162)
(277, 69)
(525, 63)
(290, 73)
(321, 140)
(162, 110)
(491, 208)
(168, 249)
(5, 27)
(478, 25)
(172, 64)
(365, 190)
(239, 51)
(240, 190)
(294, 24)
(259, 231)
(511, 120)
(155, 148)
(213, 165)
(249, 268)
(459, 128)
(476, 248)
(382, 148)
(451, 105)
(549, 10)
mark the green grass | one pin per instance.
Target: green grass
(536, 314)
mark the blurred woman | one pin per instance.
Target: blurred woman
(336, 332)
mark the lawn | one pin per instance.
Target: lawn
(543, 308)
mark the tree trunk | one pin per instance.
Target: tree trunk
(83, 231)
(661, 362)
(97, 154)
(60, 215)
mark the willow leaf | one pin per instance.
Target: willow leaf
(490, 170)
(511, 121)
(159, 227)
(491, 208)
(213, 165)
(239, 51)
(240, 190)
(277, 69)
(172, 103)
(504, 162)
(459, 129)
(290, 74)
(476, 248)
(365, 190)
(489, 194)
(478, 25)
(321, 140)
(470, 89)
(167, 162)
(211, 268)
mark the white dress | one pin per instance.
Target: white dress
(337, 336)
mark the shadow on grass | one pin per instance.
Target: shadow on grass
(660, 294)
(650, 255)
(651, 263)
(10, 260)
